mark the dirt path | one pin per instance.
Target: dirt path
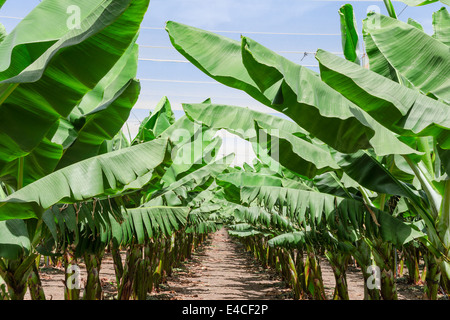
(220, 269)
(223, 271)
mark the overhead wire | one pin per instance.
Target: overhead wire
(259, 32)
(305, 53)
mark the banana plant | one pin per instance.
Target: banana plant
(428, 95)
(56, 55)
(305, 207)
(422, 2)
(148, 218)
(374, 120)
(64, 56)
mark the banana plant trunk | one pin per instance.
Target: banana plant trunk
(313, 274)
(433, 277)
(300, 267)
(412, 263)
(93, 289)
(35, 285)
(141, 286)
(445, 283)
(15, 274)
(384, 254)
(71, 276)
(339, 263)
(125, 290)
(117, 260)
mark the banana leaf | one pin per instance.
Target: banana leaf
(238, 120)
(441, 26)
(104, 110)
(37, 61)
(377, 61)
(400, 42)
(156, 123)
(415, 3)
(402, 110)
(295, 153)
(299, 93)
(349, 31)
(278, 80)
(217, 56)
(199, 180)
(149, 222)
(320, 206)
(415, 24)
(14, 239)
(100, 176)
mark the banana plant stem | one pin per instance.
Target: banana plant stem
(390, 9)
(20, 173)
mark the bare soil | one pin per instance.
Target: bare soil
(221, 270)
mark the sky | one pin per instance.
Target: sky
(290, 27)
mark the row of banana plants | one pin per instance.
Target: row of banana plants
(294, 243)
(71, 184)
(362, 170)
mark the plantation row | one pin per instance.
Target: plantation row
(361, 173)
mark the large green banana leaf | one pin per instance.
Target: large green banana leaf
(41, 161)
(238, 120)
(37, 62)
(319, 206)
(370, 173)
(193, 145)
(330, 183)
(402, 110)
(299, 93)
(377, 61)
(102, 125)
(148, 222)
(100, 176)
(198, 179)
(14, 239)
(51, 155)
(279, 81)
(441, 26)
(156, 123)
(192, 155)
(400, 42)
(103, 111)
(414, 3)
(239, 179)
(349, 31)
(217, 56)
(295, 153)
